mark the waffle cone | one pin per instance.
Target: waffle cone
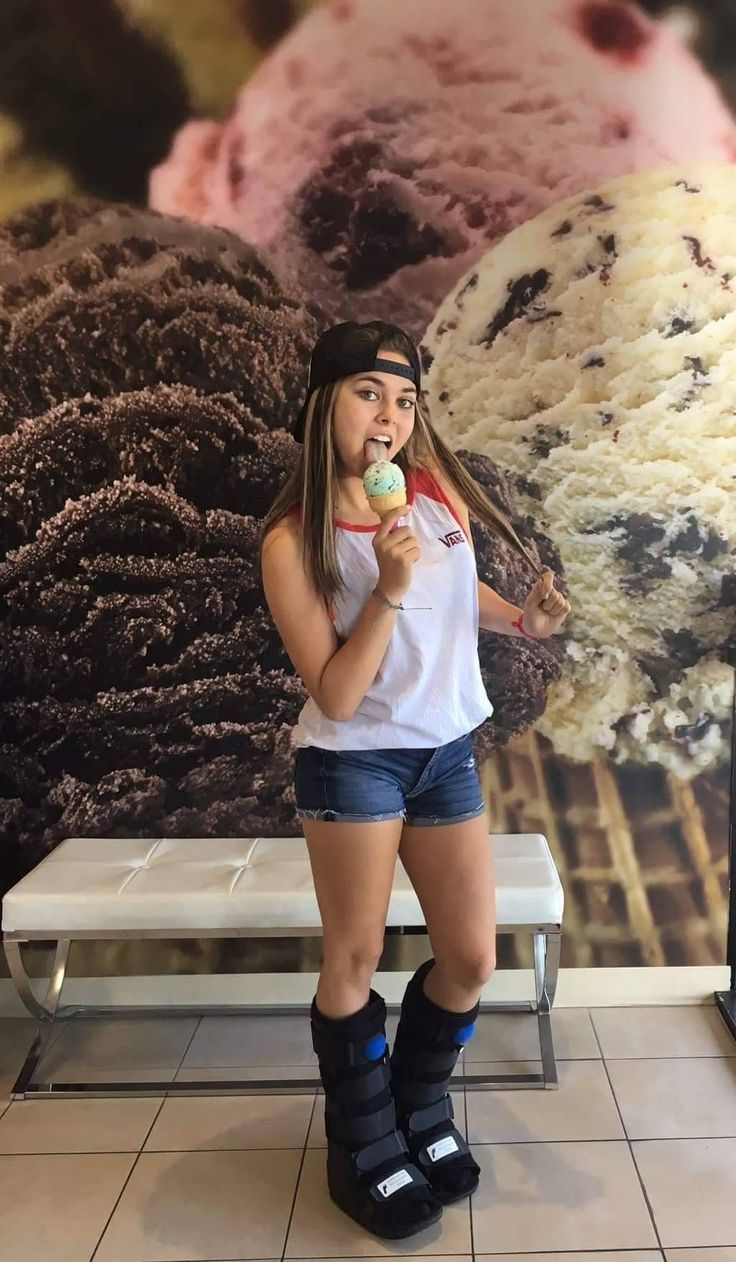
(642, 855)
(382, 504)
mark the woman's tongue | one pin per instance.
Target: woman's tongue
(375, 450)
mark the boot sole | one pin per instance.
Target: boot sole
(389, 1234)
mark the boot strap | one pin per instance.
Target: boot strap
(386, 1149)
(357, 1089)
(354, 1132)
(427, 1060)
(407, 1176)
(411, 1094)
(447, 1146)
(422, 1119)
(340, 1054)
(382, 1149)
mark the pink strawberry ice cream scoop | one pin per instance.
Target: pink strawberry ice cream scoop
(382, 147)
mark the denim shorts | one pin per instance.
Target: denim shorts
(424, 787)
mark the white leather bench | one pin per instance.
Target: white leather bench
(240, 887)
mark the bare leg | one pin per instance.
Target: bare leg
(451, 869)
(353, 868)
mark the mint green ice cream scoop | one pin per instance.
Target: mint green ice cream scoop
(383, 478)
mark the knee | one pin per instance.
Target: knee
(355, 961)
(470, 967)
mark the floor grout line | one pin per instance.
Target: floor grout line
(316, 1257)
(645, 1194)
(471, 1226)
(139, 1154)
(305, 1149)
(126, 1181)
(494, 1143)
(370, 1257)
(192, 1037)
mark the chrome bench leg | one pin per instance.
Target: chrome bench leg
(44, 1012)
(546, 972)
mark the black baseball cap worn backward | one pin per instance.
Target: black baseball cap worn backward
(351, 348)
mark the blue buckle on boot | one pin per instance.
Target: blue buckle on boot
(375, 1047)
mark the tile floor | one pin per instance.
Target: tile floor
(633, 1158)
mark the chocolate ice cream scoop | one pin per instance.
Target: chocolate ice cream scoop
(100, 299)
(150, 366)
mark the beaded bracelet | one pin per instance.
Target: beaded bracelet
(519, 624)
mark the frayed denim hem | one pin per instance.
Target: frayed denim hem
(437, 821)
(335, 817)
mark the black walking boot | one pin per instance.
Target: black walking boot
(369, 1173)
(428, 1043)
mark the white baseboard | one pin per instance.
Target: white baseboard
(578, 988)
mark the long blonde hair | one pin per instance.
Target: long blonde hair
(312, 487)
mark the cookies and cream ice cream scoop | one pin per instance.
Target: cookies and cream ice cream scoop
(592, 355)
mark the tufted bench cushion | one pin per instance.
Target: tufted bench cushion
(135, 886)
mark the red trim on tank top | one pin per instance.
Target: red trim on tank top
(360, 530)
(428, 485)
(344, 525)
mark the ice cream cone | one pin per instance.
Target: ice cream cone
(385, 485)
(382, 504)
(642, 854)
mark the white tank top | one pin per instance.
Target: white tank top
(429, 689)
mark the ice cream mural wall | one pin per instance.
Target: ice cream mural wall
(542, 193)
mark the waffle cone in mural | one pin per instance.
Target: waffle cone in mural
(642, 854)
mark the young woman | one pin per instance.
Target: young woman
(380, 619)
